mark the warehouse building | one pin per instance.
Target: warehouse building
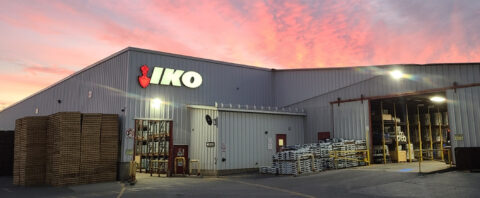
(231, 118)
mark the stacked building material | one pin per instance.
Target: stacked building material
(317, 157)
(30, 149)
(63, 148)
(6, 148)
(109, 141)
(90, 147)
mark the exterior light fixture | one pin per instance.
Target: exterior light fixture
(437, 99)
(396, 74)
(156, 103)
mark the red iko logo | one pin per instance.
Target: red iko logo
(167, 76)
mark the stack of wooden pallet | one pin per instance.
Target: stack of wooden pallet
(63, 148)
(66, 148)
(107, 169)
(30, 141)
(90, 147)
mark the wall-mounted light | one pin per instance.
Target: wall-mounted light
(156, 103)
(437, 99)
(396, 74)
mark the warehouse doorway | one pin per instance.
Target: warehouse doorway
(410, 129)
(153, 147)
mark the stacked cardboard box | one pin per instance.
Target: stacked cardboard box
(107, 168)
(30, 141)
(90, 147)
(63, 148)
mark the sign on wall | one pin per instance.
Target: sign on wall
(168, 76)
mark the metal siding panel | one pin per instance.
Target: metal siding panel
(246, 140)
(101, 78)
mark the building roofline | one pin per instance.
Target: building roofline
(68, 77)
(381, 66)
(198, 59)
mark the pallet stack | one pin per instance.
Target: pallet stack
(66, 148)
(63, 148)
(90, 147)
(30, 141)
(107, 169)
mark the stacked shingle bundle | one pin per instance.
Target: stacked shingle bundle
(29, 159)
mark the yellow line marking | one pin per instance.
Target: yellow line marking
(270, 188)
(122, 191)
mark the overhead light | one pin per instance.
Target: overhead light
(437, 99)
(156, 103)
(396, 74)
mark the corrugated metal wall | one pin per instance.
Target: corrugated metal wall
(419, 78)
(200, 135)
(351, 120)
(105, 80)
(292, 86)
(244, 140)
(222, 82)
(464, 116)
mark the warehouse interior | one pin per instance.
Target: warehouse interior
(410, 129)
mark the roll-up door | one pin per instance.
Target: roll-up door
(464, 115)
(351, 120)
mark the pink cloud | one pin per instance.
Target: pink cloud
(69, 35)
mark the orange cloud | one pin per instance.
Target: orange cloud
(69, 35)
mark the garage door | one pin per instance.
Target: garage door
(464, 115)
(351, 120)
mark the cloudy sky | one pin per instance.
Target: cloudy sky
(42, 42)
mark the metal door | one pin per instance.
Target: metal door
(180, 153)
(281, 141)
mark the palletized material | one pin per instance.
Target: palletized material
(90, 147)
(317, 157)
(30, 149)
(63, 148)
(66, 148)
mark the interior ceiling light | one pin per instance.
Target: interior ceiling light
(396, 74)
(437, 99)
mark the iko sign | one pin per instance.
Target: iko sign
(167, 76)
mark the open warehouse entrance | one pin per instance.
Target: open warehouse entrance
(410, 129)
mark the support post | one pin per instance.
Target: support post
(408, 135)
(396, 131)
(383, 134)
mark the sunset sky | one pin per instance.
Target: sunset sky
(42, 42)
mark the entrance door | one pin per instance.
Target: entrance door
(180, 153)
(281, 141)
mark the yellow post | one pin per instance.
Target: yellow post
(430, 131)
(408, 135)
(383, 134)
(419, 133)
(440, 133)
(396, 133)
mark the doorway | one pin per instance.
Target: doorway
(410, 129)
(281, 141)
